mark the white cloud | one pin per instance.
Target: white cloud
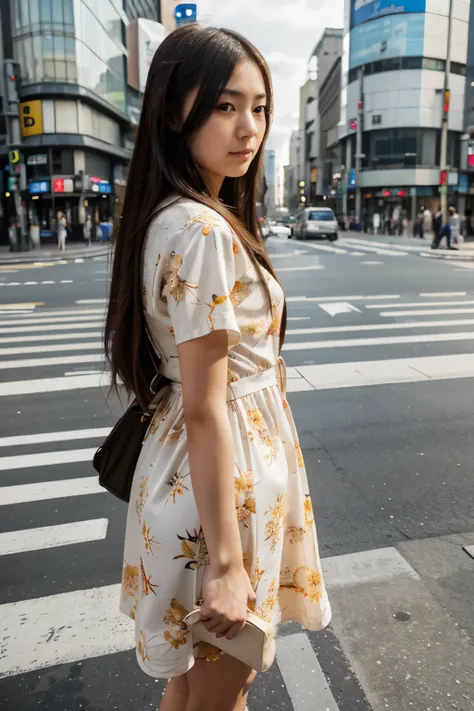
(286, 32)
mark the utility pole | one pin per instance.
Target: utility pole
(17, 180)
(358, 155)
(11, 106)
(443, 168)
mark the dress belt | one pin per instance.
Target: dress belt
(252, 383)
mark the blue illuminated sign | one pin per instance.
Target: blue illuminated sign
(351, 179)
(185, 14)
(364, 10)
(394, 36)
(105, 188)
(41, 186)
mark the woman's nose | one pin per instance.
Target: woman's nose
(247, 127)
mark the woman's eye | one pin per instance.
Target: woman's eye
(226, 107)
(260, 109)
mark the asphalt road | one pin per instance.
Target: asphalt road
(381, 367)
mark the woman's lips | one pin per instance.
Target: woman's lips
(242, 154)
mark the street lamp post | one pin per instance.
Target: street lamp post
(444, 122)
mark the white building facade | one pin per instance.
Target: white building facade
(393, 73)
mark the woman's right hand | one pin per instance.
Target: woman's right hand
(226, 596)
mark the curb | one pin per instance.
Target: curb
(39, 258)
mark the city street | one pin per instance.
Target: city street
(380, 355)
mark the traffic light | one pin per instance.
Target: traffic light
(11, 76)
(447, 96)
(443, 177)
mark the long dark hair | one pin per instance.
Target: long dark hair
(162, 165)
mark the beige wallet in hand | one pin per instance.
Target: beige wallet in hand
(254, 645)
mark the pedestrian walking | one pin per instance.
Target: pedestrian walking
(427, 221)
(220, 515)
(13, 234)
(376, 222)
(61, 229)
(420, 227)
(455, 224)
(447, 230)
(87, 230)
(437, 223)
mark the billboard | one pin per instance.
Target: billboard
(364, 10)
(143, 39)
(393, 36)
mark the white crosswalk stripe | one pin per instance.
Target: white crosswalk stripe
(51, 468)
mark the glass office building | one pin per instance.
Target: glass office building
(76, 131)
(74, 42)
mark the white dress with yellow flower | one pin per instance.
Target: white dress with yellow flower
(197, 278)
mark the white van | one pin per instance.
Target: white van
(315, 223)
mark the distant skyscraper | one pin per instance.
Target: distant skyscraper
(269, 163)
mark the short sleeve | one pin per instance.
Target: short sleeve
(198, 279)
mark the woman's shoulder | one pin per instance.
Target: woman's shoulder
(180, 214)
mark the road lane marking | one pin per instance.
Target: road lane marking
(46, 459)
(28, 305)
(417, 304)
(327, 248)
(91, 301)
(43, 362)
(338, 307)
(281, 255)
(426, 312)
(384, 372)
(65, 534)
(372, 263)
(52, 337)
(93, 346)
(308, 268)
(52, 327)
(53, 317)
(62, 436)
(436, 294)
(304, 679)
(46, 490)
(309, 299)
(382, 341)
(379, 327)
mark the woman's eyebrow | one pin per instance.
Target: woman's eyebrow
(240, 94)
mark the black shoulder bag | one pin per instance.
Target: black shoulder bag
(116, 459)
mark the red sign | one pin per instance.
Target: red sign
(58, 185)
(443, 177)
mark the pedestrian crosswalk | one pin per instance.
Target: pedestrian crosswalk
(55, 416)
(369, 248)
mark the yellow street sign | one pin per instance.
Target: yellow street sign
(31, 117)
(14, 156)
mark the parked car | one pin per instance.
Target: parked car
(315, 223)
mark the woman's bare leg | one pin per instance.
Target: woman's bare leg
(218, 686)
(176, 694)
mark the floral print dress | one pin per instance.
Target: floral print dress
(198, 278)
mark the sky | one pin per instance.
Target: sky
(286, 32)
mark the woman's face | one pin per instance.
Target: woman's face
(229, 140)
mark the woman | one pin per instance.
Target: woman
(219, 507)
